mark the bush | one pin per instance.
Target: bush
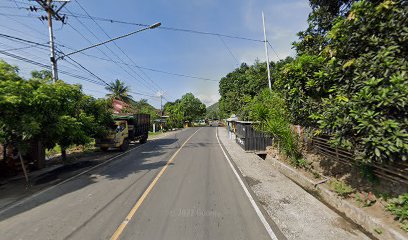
(366, 108)
(399, 208)
(269, 109)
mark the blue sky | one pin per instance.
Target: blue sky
(199, 55)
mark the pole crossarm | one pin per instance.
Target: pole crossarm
(111, 40)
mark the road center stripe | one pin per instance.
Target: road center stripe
(251, 199)
(139, 202)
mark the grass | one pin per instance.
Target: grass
(89, 147)
(399, 208)
(153, 134)
(341, 188)
(365, 199)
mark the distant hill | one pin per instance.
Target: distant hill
(213, 111)
(213, 107)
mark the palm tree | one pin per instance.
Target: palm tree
(119, 90)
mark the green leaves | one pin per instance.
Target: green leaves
(188, 108)
(54, 113)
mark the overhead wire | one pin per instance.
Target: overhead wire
(33, 62)
(273, 49)
(166, 28)
(146, 68)
(116, 55)
(229, 50)
(117, 46)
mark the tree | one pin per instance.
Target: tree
(188, 108)
(366, 108)
(53, 113)
(142, 106)
(213, 112)
(239, 87)
(192, 107)
(119, 90)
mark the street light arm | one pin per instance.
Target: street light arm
(111, 40)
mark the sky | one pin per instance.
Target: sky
(132, 59)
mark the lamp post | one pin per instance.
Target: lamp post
(111, 40)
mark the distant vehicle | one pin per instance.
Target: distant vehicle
(126, 128)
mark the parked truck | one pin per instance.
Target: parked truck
(126, 128)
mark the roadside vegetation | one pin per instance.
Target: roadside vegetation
(37, 114)
(188, 108)
(347, 81)
(36, 109)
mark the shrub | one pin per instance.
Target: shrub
(269, 109)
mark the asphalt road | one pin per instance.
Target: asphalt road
(165, 189)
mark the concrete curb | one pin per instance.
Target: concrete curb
(367, 222)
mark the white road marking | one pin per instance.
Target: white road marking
(251, 199)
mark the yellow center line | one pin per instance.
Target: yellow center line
(139, 202)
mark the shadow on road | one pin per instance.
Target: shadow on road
(148, 157)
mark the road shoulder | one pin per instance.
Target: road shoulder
(16, 190)
(297, 213)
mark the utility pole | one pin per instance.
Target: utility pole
(51, 13)
(266, 52)
(52, 47)
(161, 105)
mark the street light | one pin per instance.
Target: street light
(111, 40)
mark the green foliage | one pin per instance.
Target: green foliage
(213, 112)
(399, 208)
(365, 199)
(366, 108)
(303, 82)
(239, 87)
(58, 113)
(270, 110)
(142, 106)
(119, 90)
(349, 79)
(341, 188)
(188, 108)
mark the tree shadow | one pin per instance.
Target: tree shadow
(360, 178)
(151, 156)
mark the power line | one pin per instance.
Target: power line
(124, 53)
(19, 48)
(229, 50)
(105, 53)
(146, 68)
(274, 50)
(106, 59)
(48, 67)
(84, 68)
(22, 40)
(165, 28)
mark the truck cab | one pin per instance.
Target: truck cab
(118, 137)
(126, 128)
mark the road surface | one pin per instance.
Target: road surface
(178, 187)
